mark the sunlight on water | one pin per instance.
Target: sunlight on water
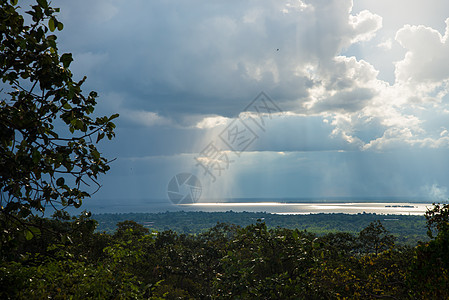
(310, 208)
(241, 204)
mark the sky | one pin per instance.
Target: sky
(268, 98)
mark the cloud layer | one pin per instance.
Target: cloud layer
(349, 77)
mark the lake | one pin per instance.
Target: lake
(276, 207)
(311, 208)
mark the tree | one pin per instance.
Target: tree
(437, 220)
(429, 271)
(48, 136)
(129, 230)
(375, 238)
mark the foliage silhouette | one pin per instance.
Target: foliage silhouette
(48, 135)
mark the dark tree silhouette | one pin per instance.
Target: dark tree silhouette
(48, 134)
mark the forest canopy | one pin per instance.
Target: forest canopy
(225, 261)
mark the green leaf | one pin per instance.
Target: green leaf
(60, 26)
(95, 154)
(51, 24)
(43, 3)
(14, 2)
(113, 117)
(66, 59)
(60, 181)
(52, 44)
(36, 156)
(31, 232)
(79, 124)
(28, 235)
(36, 231)
(100, 136)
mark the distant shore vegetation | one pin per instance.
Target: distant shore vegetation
(407, 229)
